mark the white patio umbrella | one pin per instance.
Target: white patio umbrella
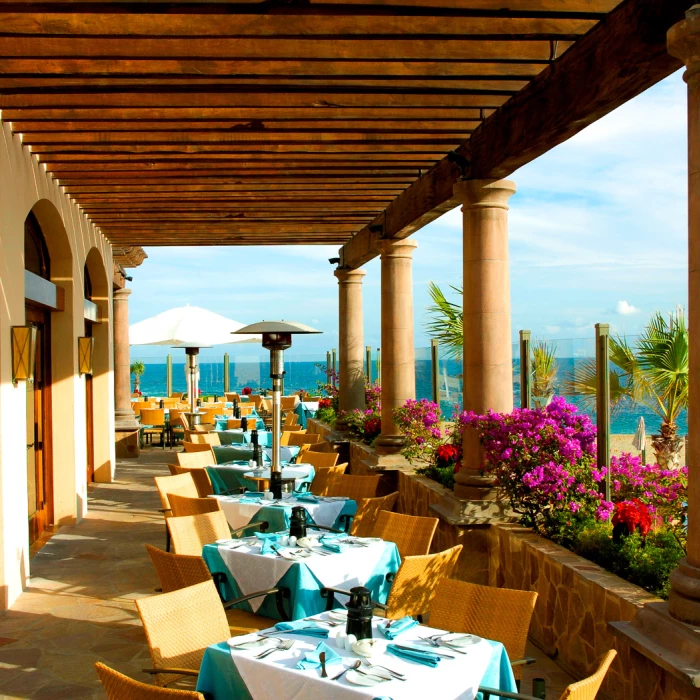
(639, 442)
(191, 328)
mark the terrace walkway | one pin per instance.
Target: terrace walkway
(79, 606)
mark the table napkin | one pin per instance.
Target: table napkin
(306, 497)
(311, 659)
(268, 547)
(272, 536)
(253, 494)
(309, 629)
(420, 657)
(336, 547)
(398, 627)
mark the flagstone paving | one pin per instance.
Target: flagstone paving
(78, 607)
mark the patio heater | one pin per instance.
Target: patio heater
(192, 352)
(276, 337)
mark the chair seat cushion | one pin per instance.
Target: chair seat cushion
(243, 621)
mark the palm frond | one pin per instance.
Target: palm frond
(445, 321)
(544, 368)
(583, 383)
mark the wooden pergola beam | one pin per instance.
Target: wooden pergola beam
(621, 57)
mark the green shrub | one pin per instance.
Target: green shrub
(443, 475)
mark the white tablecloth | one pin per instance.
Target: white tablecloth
(277, 675)
(257, 572)
(239, 513)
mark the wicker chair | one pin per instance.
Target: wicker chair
(233, 423)
(287, 435)
(206, 439)
(459, 606)
(180, 484)
(201, 479)
(153, 423)
(190, 533)
(177, 571)
(120, 687)
(300, 438)
(177, 425)
(190, 460)
(412, 534)
(182, 505)
(321, 459)
(291, 419)
(355, 487)
(198, 447)
(288, 403)
(414, 585)
(587, 689)
(368, 510)
(325, 478)
(175, 469)
(177, 395)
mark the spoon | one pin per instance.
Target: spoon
(352, 667)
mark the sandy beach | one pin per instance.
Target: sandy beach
(623, 443)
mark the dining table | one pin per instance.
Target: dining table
(237, 436)
(234, 453)
(232, 669)
(232, 475)
(304, 411)
(241, 567)
(328, 511)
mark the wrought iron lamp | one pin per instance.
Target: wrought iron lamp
(85, 349)
(276, 337)
(23, 353)
(192, 352)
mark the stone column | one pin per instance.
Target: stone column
(125, 423)
(398, 354)
(488, 354)
(351, 340)
(684, 43)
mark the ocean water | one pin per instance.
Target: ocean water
(306, 375)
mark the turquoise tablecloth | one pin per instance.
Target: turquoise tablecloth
(237, 453)
(219, 677)
(304, 586)
(304, 412)
(235, 437)
(227, 479)
(278, 517)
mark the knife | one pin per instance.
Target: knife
(425, 651)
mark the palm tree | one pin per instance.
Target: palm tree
(137, 369)
(654, 374)
(445, 323)
(544, 372)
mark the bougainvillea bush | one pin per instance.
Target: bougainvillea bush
(544, 464)
(366, 425)
(419, 423)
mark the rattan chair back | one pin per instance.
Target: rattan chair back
(459, 606)
(179, 484)
(288, 403)
(207, 439)
(182, 505)
(247, 410)
(170, 403)
(154, 417)
(190, 533)
(287, 435)
(194, 459)
(200, 447)
(325, 478)
(588, 688)
(201, 479)
(412, 534)
(413, 588)
(291, 419)
(232, 396)
(180, 625)
(175, 469)
(176, 571)
(300, 438)
(355, 487)
(177, 395)
(321, 460)
(368, 510)
(120, 687)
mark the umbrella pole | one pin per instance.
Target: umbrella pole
(276, 374)
(192, 384)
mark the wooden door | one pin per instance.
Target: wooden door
(39, 471)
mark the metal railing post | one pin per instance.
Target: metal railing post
(168, 375)
(227, 373)
(379, 365)
(435, 370)
(334, 355)
(525, 370)
(602, 359)
(368, 363)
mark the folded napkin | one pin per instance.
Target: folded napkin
(311, 659)
(398, 627)
(253, 494)
(256, 499)
(334, 536)
(272, 536)
(420, 657)
(268, 547)
(306, 497)
(310, 629)
(336, 547)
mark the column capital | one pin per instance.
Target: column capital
(121, 294)
(397, 247)
(349, 276)
(484, 194)
(684, 41)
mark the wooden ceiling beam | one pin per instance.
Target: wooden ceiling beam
(91, 166)
(183, 149)
(232, 227)
(346, 183)
(313, 48)
(118, 161)
(284, 25)
(621, 57)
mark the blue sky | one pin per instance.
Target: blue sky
(598, 233)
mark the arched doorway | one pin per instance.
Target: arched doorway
(39, 452)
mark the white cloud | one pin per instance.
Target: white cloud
(625, 309)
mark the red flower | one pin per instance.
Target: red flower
(373, 427)
(446, 454)
(246, 391)
(633, 514)
(324, 403)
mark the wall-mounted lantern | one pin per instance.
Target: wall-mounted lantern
(85, 349)
(23, 353)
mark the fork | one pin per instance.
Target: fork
(395, 674)
(284, 645)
